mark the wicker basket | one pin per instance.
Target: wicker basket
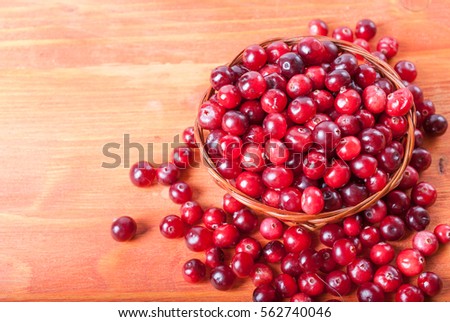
(313, 222)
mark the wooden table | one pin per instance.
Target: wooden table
(76, 75)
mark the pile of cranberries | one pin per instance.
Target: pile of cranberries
(309, 128)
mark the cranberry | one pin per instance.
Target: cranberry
(332, 199)
(369, 236)
(318, 27)
(296, 239)
(442, 232)
(271, 198)
(382, 253)
(222, 277)
(252, 159)
(171, 227)
(228, 168)
(230, 146)
(409, 179)
(275, 125)
(417, 218)
(285, 285)
(314, 165)
(235, 123)
(376, 213)
(309, 260)
(265, 293)
(353, 193)
(423, 194)
(276, 151)
(311, 50)
(123, 228)
(277, 177)
(376, 182)
(181, 156)
(417, 93)
(410, 262)
(276, 49)
(271, 228)
(191, 212)
(409, 293)
(261, 274)
(435, 125)
(343, 33)
(291, 64)
(331, 233)
(300, 297)
(398, 125)
(425, 242)
(397, 202)
(220, 76)
(212, 143)
(230, 204)
(312, 201)
(214, 217)
(253, 111)
(274, 251)
(364, 166)
(168, 173)
(291, 265)
(301, 109)
(387, 133)
(374, 99)
(245, 220)
(337, 175)
(274, 101)
(348, 148)
(298, 138)
(344, 251)
(324, 100)
(180, 192)
(365, 29)
(252, 85)
(347, 101)
(214, 257)
(399, 102)
(249, 245)
(372, 141)
(194, 270)
(316, 120)
(331, 51)
(254, 57)
(210, 116)
(360, 271)
(298, 85)
(328, 263)
(142, 174)
(364, 44)
(429, 283)
(420, 159)
(388, 278)
(327, 134)
(336, 79)
(242, 264)
(290, 199)
(198, 239)
(311, 284)
(275, 81)
(370, 292)
(228, 96)
(238, 70)
(352, 225)
(250, 183)
(388, 46)
(226, 235)
(392, 228)
(188, 137)
(317, 75)
(426, 108)
(379, 55)
(406, 70)
(338, 283)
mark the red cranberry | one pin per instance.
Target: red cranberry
(435, 125)
(301, 109)
(442, 232)
(298, 85)
(291, 64)
(409, 179)
(220, 76)
(360, 271)
(346, 61)
(228, 96)
(317, 75)
(250, 183)
(254, 57)
(410, 262)
(347, 101)
(300, 297)
(376, 213)
(210, 116)
(274, 101)
(253, 111)
(316, 120)
(338, 283)
(331, 51)
(374, 99)
(291, 265)
(327, 134)
(429, 283)
(274, 251)
(425, 242)
(275, 50)
(265, 293)
(181, 156)
(230, 204)
(318, 27)
(353, 193)
(234, 123)
(399, 102)
(344, 251)
(275, 125)
(426, 108)
(171, 227)
(324, 100)
(226, 235)
(191, 212)
(336, 79)
(249, 245)
(180, 192)
(388, 278)
(252, 159)
(376, 182)
(409, 293)
(392, 228)
(277, 152)
(238, 70)
(214, 257)
(364, 44)
(242, 264)
(398, 125)
(331, 233)
(365, 29)
(194, 271)
(423, 194)
(337, 175)
(343, 33)
(261, 274)
(397, 202)
(142, 174)
(328, 263)
(309, 260)
(285, 285)
(228, 168)
(245, 220)
(379, 55)
(388, 46)
(222, 278)
(230, 146)
(198, 239)
(214, 217)
(369, 236)
(271, 228)
(212, 143)
(312, 201)
(332, 199)
(188, 137)
(296, 239)
(298, 138)
(420, 159)
(352, 225)
(123, 228)
(314, 165)
(252, 85)
(311, 284)
(382, 253)
(271, 198)
(348, 148)
(168, 173)
(311, 51)
(290, 199)
(364, 166)
(277, 177)
(370, 292)
(406, 70)
(372, 141)
(417, 218)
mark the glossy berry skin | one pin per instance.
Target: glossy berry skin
(275, 125)
(388, 278)
(251, 246)
(220, 76)
(265, 293)
(388, 46)
(253, 111)
(344, 251)
(397, 202)
(425, 242)
(271, 198)
(296, 239)
(417, 218)
(352, 225)
(123, 229)
(142, 174)
(374, 99)
(277, 177)
(290, 199)
(275, 50)
(302, 109)
(180, 192)
(271, 228)
(336, 79)
(214, 257)
(423, 194)
(226, 235)
(318, 27)
(328, 263)
(274, 251)
(245, 221)
(312, 201)
(242, 264)
(291, 64)
(314, 165)
(214, 217)
(347, 101)
(310, 284)
(365, 29)
(189, 137)
(291, 265)
(261, 274)
(372, 141)
(369, 236)
(230, 204)
(191, 212)
(250, 183)
(409, 293)
(228, 96)
(409, 179)
(348, 148)
(198, 239)
(430, 283)
(442, 232)
(376, 182)
(327, 135)
(392, 228)
(406, 70)
(309, 260)
(353, 193)
(274, 101)
(194, 271)
(364, 166)
(337, 175)
(399, 103)
(235, 123)
(210, 116)
(420, 159)
(300, 297)
(252, 85)
(230, 146)
(376, 213)
(168, 173)
(228, 168)
(360, 271)
(277, 152)
(252, 159)
(222, 278)
(343, 33)
(254, 57)
(410, 262)
(435, 125)
(311, 50)
(370, 292)
(338, 283)
(331, 233)
(382, 253)
(285, 285)
(172, 227)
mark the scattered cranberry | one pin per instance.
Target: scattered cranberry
(435, 125)
(300, 297)
(222, 278)
(265, 293)
(261, 274)
(429, 283)
(180, 192)
(191, 212)
(168, 173)
(142, 174)
(343, 33)
(274, 251)
(198, 239)
(365, 29)
(194, 271)
(360, 271)
(388, 278)
(417, 218)
(338, 283)
(251, 246)
(392, 228)
(423, 194)
(442, 232)
(388, 46)
(410, 262)
(330, 233)
(409, 293)
(426, 242)
(318, 27)
(172, 227)
(226, 235)
(285, 285)
(344, 251)
(311, 284)
(312, 200)
(214, 257)
(382, 253)
(181, 156)
(123, 228)
(271, 228)
(370, 292)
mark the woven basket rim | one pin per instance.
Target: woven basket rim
(313, 222)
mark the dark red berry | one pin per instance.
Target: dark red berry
(261, 274)
(168, 173)
(344, 251)
(338, 283)
(370, 292)
(442, 232)
(388, 278)
(198, 239)
(426, 242)
(142, 174)
(430, 283)
(194, 271)
(409, 293)
(222, 278)
(180, 192)
(382, 253)
(191, 212)
(214, 257)
(123, 228)
(410, 262)
(172, 227)
(265, 293)
(365, 29)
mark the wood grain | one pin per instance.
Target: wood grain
(78, 75)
